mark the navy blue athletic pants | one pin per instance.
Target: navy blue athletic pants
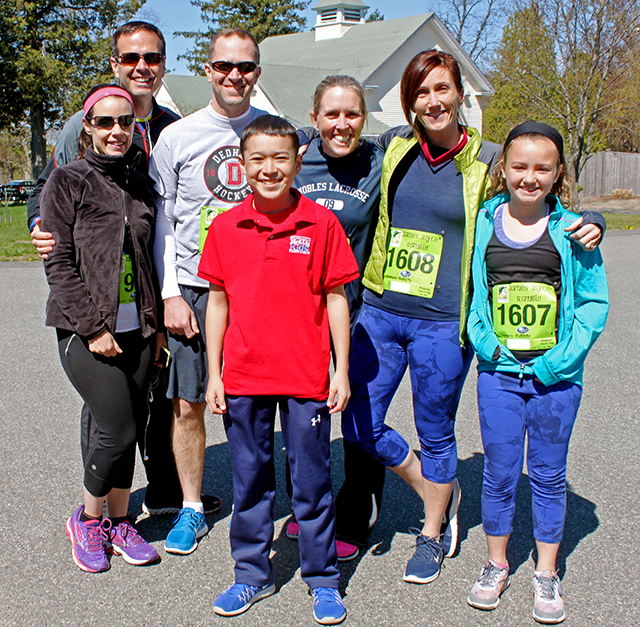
(306, 428)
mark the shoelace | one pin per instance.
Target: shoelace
(427, 549)
(128, 533)
(326, 594)
(95, 535)
(548, 587)
(245, 592)
(489, 575)
(188, 518)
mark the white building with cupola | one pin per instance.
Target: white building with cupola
(342, 42)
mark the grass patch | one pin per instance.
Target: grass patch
(15, 241)
(622, 220)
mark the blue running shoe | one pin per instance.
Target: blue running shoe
(240, 597)
(449, 526)
(188, 527)
(424, 565)
(328, 607)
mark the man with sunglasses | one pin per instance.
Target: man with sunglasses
(197, 175)
(138, 63)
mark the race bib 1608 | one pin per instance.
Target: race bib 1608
(413, 258)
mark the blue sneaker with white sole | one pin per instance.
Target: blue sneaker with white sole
(328, 606)
(424, 566)
(240, 597)
(188, 527)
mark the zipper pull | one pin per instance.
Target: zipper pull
(521, 376)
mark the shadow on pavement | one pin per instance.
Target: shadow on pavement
(400, 510)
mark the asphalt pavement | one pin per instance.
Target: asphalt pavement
(41, 485)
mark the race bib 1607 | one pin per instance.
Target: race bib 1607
(524, 315)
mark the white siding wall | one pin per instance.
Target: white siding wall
(260, 101)
(164, 99)
(471, 112)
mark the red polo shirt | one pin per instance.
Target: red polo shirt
(276, 271)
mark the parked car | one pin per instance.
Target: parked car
(16, 191)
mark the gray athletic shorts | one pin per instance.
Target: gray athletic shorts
(188, 372)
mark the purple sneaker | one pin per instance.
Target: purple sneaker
(87, 542)
(126, 541)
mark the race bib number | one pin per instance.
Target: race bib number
(524, 315)
(413, 258)
(207, 214)
(127, 281)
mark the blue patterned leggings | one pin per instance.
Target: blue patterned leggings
(511, 408)
(383, 345)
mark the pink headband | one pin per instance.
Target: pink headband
(111, 90)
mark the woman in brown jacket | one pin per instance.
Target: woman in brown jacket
(103, 305)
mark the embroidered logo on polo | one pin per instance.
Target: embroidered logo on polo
(223, 175)
(300, 244)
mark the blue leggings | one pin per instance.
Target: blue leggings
(511, 408)
(383, 345)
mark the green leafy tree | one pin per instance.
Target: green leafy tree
(52, 50)
(512, 103)
(558, 62)
(375, 16)
(15, 161)
(620, 127)
(262, 18)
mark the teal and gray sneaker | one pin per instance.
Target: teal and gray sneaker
(424, 565)
(328, 607)
(240, 597)
(188, 527)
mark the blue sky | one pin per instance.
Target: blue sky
(180, 15)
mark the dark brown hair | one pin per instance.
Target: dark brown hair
(273, 126)
(414, 75)
(133, 27)
(84, 139)
(234, 32)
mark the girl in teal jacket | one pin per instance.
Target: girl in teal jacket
(539, 304)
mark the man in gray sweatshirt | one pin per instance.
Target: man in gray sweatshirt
(197, 176)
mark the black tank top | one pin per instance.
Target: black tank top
(536, 262)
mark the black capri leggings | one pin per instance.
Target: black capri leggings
(115, 389)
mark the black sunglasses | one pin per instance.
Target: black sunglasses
(226, 67)
(106, 122)
(132, 58)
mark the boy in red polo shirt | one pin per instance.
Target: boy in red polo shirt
(277, 264)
